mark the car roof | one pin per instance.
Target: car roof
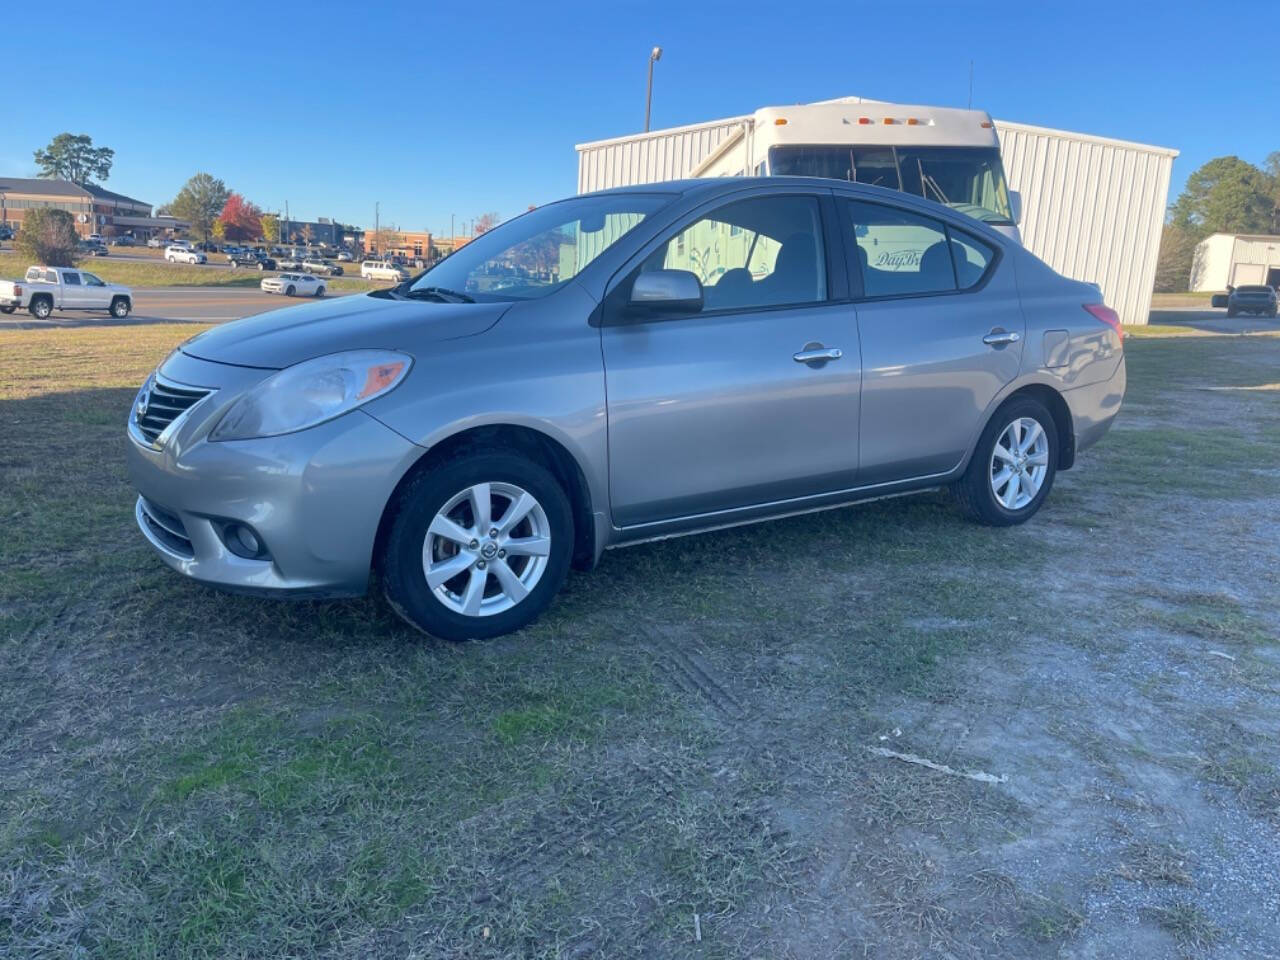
(729, 185)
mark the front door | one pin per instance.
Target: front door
(754, 398)
(96, 294)
(941, 328)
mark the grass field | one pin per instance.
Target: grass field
(677, 759)
(158, 273)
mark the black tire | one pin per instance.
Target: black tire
(319, 292)
(289, 290)
(404, 582)
(974, 490)
(40, 307)
(7, 309)
(120, 307)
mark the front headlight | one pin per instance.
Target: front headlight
(312, 392)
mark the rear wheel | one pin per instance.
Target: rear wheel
(41, 307)
(7, 309)
(319, 292)
(1013, 466)
(478, 546)
(120, 307)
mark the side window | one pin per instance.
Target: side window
(901, 253)
(71, 279)
(761, 252)
(972, 257)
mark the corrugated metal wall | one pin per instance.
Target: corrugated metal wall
(1092, 208)
(650, 158)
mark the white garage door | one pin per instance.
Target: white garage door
(1243, 273)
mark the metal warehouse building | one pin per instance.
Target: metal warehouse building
(1092, 208)
(1232, 259)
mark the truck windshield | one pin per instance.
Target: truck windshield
(968, 179)
(535, 254)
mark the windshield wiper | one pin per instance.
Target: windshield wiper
(442, 294)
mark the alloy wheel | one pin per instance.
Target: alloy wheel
(1019, 463)
(486, 549)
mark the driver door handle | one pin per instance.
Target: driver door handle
(811, 354)
(998, 338)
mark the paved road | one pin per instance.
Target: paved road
(168, 305)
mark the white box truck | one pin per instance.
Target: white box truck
(941, 153)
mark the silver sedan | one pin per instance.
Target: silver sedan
(613, 368)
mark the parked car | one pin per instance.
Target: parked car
(92, 248)
(124, 241)
(345, 256)
(6, 233)
(382, 270)
(471, 445)
(46, 289)
(176, 254)
(324, 267)
(294, 285)
(290, 262)
(155, 243)
(207, 246)
(251, 258)
(1252, 298)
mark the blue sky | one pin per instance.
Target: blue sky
(460, 108)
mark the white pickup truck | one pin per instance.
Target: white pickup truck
(46, 289)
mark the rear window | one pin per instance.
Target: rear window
(1253, 289)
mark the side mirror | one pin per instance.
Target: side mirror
(666, 291)
(1218, 300)
(1015, 205)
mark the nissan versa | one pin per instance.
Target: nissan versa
(612, 368)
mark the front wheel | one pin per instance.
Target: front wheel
(1013, 466)
(478, 547)
(319, 292)
(289, 291)
(120, 307)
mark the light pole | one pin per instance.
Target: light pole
(654, 56)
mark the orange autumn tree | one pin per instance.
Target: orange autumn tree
(241, 220)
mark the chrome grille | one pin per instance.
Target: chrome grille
(162, 404)
(164, 527)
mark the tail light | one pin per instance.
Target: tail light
(17, 289)
(1108, 316)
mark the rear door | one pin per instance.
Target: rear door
(941, 329)
(73, 292)
(719, 409)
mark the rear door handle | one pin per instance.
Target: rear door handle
(998, 338)
(817, 354)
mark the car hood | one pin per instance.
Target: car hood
(280, 338)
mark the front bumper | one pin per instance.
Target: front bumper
(315, 498)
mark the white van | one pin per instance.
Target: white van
(382, 270)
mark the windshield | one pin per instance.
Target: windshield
(535, 254)
(968, 179)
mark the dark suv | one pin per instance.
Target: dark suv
(251, 258)
(1257, 298)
